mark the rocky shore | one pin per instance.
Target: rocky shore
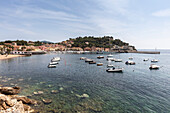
(10, 102)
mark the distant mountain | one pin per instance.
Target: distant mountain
(47, 42)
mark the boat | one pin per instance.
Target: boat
(130, 62)
(110, 55)
(153, 66)
(99, 57)
(115, 70)
(88, 60)
(110, 65)
(110, 59)
(145, 59)
(118, 60)
(55, 59)
(51, 66)
(92, 62)
(154, 60)
(130, 58)
(82, 58)
(99, 64)
(53, 63)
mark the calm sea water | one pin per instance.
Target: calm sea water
(136, 90)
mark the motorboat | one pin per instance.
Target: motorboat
(88, 60)
(110, 59)
(51, 66)
(154, 60)
(99, 64)
(115, 70)
(110, 65)
(92, 62)
(82, 58)
(130, 62)
(153, 66)
(110, 55)
(99, 57)
(118, 60)
(145, 59)
(55, 59)
(130, 58)
(53, 63)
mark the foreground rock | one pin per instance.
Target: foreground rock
(10, 103)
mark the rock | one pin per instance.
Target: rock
(10, 90)
(83, 96)
(54, 91)
(38, 93)
(25, 100)
(47, 101)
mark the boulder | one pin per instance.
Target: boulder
(47, 101)
(25, 100)
(10, 90)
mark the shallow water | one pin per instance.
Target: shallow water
(136, 90)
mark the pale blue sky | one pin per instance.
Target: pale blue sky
(143, 23)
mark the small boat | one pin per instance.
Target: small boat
(53, 63)
(82, 58)
(145, 59)
(110, 55)
(115, 70)
(130, 62)
(130, 58)
(110, 59)
(99, 57)
(110, 65)
(88, 60)
(51, 66)
(92, 62)
(55, 59)
(99, 64)
(118, 60)
(153, 66)
(154, 60)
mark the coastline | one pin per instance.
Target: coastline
(3, 57)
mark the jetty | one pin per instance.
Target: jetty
(145, 52)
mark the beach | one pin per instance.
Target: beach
(2, 57)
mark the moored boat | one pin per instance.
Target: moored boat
(99, 57)
(110, 59)
(55, 59)
(153, 66)
(130, 62)
(51, 66)
(118, 60)
(110, 65)
(82, 58)
(110, 55)
(88, 60)
(53, 63)
(99, 64)
(93, 62)
(115, 70)
(145, 59)
(154, 60)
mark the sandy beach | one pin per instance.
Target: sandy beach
(2, 57)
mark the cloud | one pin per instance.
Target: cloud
(162, 13)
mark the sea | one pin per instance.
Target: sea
(78, 87)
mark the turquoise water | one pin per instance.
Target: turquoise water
(136, 90)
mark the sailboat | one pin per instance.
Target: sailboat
(154, 60)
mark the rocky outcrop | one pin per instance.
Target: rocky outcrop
(10, 90)
(11, 103)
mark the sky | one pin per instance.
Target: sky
(142, 23)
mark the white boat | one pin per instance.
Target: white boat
(99, 64)
(115, 70)
(130, 62)
(51, 66)
(55, 59)
(110, 55)
(130, 58)
(88, 60)
(110, 65)
(154, 60)
(110, 59)
(118, 60)
(53, 63)
(99, 57)
(145, 59)
(153, 66)
(82, 58)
